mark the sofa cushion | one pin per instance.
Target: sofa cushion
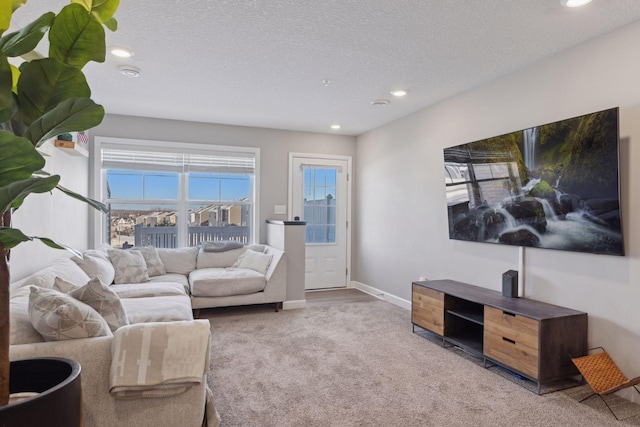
(179, 260)
(150, 289)
(158, 309)
(254, 261)
(173, 277)
(218, 259)
(46, 277)
(223, 259)
(96, 263)
(130, 266)
(220, 282)
(151, 257)
(57, 316)
(104, 300)
(21, 331)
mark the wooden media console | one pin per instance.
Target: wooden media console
(531, 338)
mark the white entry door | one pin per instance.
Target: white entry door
(319, 195)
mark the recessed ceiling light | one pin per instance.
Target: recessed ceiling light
(335, 127)
(399, 92)
(574, 3)
(326, 82)
(129, 70)
(121, 52)
(379, 102)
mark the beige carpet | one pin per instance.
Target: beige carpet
(355, 362)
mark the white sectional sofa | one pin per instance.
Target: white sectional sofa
(166, 286)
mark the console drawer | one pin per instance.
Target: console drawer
(427, 309)
(512, 340)
(511, 353)
(522, 330)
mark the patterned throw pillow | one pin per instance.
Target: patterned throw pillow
(151, 257)
(130, 266)
(58, 317)
(63, 286)
(104, 300)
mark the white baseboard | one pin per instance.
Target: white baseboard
(400, 302)
(295, 304)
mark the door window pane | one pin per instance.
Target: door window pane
(319, 205)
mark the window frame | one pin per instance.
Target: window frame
(97, 181)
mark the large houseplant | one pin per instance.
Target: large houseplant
(40, 99)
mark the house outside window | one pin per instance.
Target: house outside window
(175, 195)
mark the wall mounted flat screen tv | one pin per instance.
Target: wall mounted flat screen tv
(553, 186)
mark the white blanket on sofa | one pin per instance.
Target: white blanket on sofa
(159, 358)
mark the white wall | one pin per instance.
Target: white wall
(54, 215)
(401, 218)
(274, 145)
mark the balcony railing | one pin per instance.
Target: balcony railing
(167, 237)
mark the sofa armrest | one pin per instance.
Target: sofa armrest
(276, 287)
(98, 406)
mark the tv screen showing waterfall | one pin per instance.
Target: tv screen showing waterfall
(552, 186)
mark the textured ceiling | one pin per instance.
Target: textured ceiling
(262, 62)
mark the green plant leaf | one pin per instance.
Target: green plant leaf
(102, 10)
(111, 24)
(18, 159)
(6, 10)
(6, 86)
(13, 195)
(12, 237)
(25, 40)
(73, 115)
(76, 37)
(47, 241)
(45, 83)
(15, 76)
(93, 203)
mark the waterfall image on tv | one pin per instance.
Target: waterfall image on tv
(553, 186)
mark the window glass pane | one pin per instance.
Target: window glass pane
(331, 215)
(142, 185)
(215, 222)
(125, 184)
(332, 191)
(320, 177)
(331, 177)
(308, 177)
(331, 234)
(204, 187)
(235, 187)
(160, 186)
(142, 225)
(319, 194)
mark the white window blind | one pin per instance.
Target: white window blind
(217, 162)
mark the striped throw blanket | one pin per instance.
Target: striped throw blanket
(159, 359)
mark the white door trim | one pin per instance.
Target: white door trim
(312, 157)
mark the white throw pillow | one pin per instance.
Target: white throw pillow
(96, 263)
(58, 317)
(130, 266)
(254, 260)
(104, 300)
(151, 257)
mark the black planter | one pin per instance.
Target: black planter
(59, 402)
